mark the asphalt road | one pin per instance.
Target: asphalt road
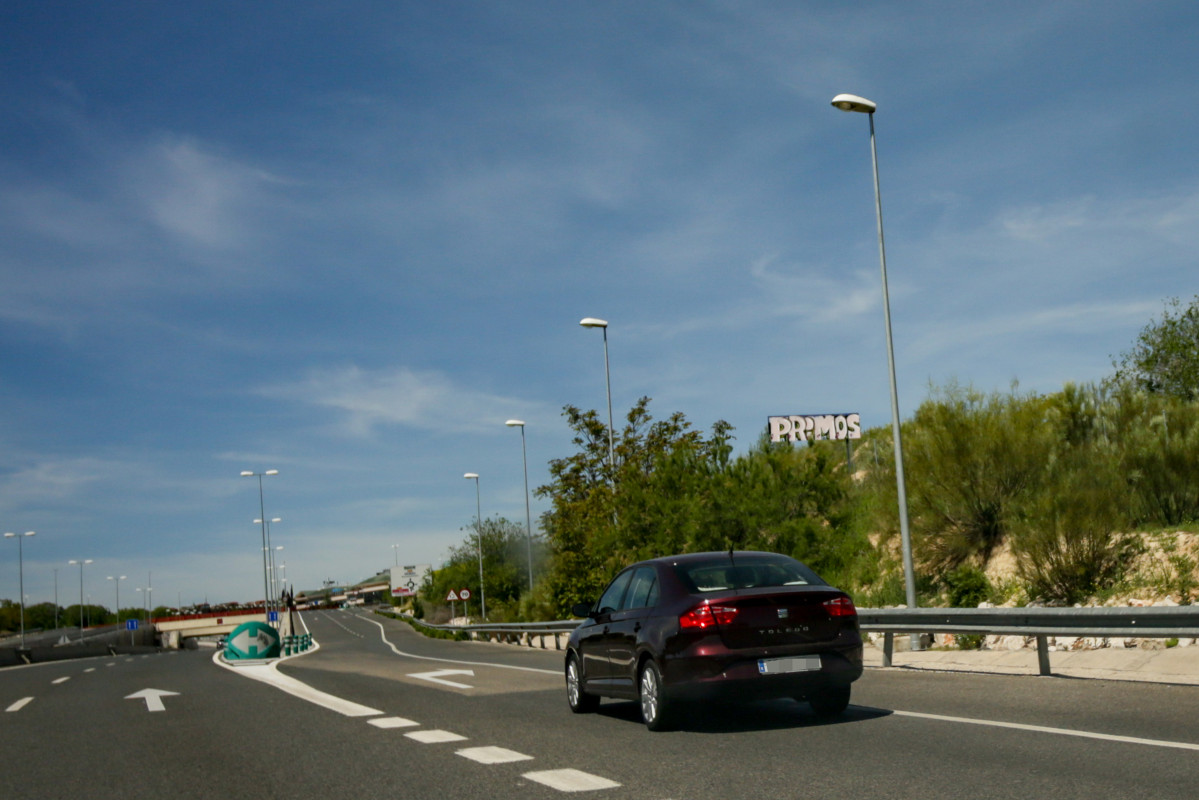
(394, 705)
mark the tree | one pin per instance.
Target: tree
(970, 457)
(505, 569)
(1165, 357)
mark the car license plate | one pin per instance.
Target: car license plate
(780, 666)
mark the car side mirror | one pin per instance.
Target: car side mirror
(581, 610)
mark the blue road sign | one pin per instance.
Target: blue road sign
(130, 624)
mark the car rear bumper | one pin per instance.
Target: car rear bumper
(739, 677)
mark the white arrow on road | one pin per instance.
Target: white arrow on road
(153, 698)
(436, 677)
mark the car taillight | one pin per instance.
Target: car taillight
(707, 616)
(840, 607)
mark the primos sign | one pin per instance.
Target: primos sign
(798, 428)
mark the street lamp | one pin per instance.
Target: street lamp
(271, 558)
(266, 588)
(592, 322)
(80, 562)
(479, 529)
(851, 102)
(20, 537)
(516, 423)
(116, 582)
(396, 549)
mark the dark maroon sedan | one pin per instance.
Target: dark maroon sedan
(740, 625)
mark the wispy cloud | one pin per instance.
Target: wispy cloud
(366, 399)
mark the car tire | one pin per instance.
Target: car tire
(580, 701)
(830, 702)
(656, 712)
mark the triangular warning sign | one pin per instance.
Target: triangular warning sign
(453, 597)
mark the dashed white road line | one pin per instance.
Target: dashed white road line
(17, 706)
(393, 722)
(435, 737)
(61, 680)
(493, 755)
(570, 780)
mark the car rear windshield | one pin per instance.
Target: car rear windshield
(721, 574)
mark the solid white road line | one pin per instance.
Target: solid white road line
(267, 673)
(570, 780)
(1107, 737)
(399, 652)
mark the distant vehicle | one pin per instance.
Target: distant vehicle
(220, 643)
(743, 625)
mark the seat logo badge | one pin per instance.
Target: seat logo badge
(782, 613)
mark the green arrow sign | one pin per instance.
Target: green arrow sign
(255, 640)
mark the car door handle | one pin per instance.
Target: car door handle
(637, 628)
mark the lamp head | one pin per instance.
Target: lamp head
(470, 475)
(515, 423)
(592, 322)
(851, 102)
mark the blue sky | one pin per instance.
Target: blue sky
(348, 240)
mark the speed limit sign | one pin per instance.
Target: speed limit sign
(464, 594)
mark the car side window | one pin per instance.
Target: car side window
(643, 590)
(609, 602)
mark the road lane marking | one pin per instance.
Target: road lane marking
(90, 669)
(17, 706)
(61, 680)
(493, 755)
(393, 722)
(1107, 737)
(268, 674)
(153, 698)
(435, 737)
(399, 652)
(570, 780)
(438, 677)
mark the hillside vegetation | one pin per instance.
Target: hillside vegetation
(1014, 496)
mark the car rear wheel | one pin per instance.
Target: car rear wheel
(830, 702)
(655, 711)
(580, 701)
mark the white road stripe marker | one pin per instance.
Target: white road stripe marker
(61, 680)
(17, 706)
(269, 675)
(434, 737)
(399, 652)
(493, 755)
(1107, 737)
(570, 780)
(393, 722)
(439, 677)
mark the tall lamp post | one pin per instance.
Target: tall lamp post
(479, 529)
(20, 537)
(116, 582)
(271, 560)
(266, 587)
(524, 455)
(80, 562)
(592, 322)
(850, 102)
(395, 548)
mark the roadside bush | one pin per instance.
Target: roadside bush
(1071, 541)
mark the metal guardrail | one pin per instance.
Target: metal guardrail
(1154, 622)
